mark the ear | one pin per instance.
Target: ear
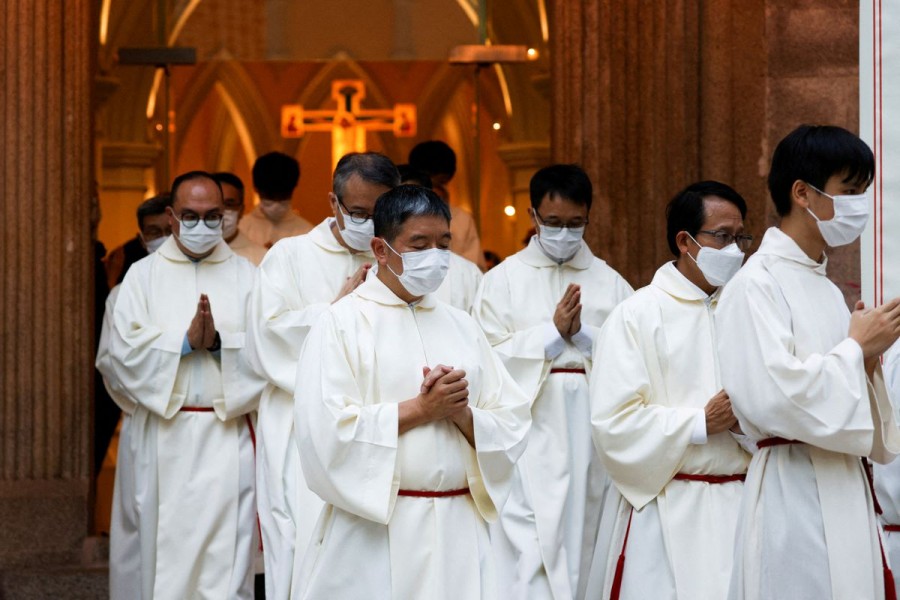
(534, 222)
(380, 250)
(800, 193)
(684, 242)
(170, 214)
(332, 200)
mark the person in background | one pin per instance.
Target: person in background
(153, 228)
(240, 244)
(275, 177)
(438, 161)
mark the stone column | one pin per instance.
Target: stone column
(523, 159)
(46, 280)
(649, 97)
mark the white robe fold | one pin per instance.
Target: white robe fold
(887, 477)
(193, 474)
(546, 534)
(297, 282)
(807, 527)
(361, 359)
(660, 370)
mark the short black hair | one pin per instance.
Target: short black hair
(232, 180)
(686, 211)
(434, 157)
(156, 205)
(566, 181)
(814, 154)
(413, 176)
(394, 207)
(275, 175)
(372, 167)
(190, 176)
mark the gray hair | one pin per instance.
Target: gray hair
(372, 167)
(394, 207)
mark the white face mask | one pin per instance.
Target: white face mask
(230, 220)
(201, 239)
(561, 245)
(718, 266)
(358, 235)
(423, 271)
(275, 209)
(154, 244)
(851, 214)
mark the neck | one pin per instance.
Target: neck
(229, 239)
(390, 280)
(686, 266)
(802, 228)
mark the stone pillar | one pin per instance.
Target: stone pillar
(649, 97)
(46, 280)
(127, 175)
(523, 159)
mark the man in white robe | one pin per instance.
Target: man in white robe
(541, 309)
(298, 280)
(887, 477)
(176, 353)
(805, 382)
(661, 418)
(408, 426)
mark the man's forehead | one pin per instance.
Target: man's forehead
(198, 192)
(424, 226)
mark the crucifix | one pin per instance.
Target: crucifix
(348, 123)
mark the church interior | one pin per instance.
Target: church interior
(646, 96)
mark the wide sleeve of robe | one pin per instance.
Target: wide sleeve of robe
(823, 399)
(104, 360)
(522, 351)
(502, 419)
(144, 356)
(278, 319)
(641, 444)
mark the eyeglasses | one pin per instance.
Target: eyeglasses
(190, 220)
(357, 216)
(555, 226)
(723, 238)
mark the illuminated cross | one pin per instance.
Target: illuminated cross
(348, 123)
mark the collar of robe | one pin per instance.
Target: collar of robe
(533, 256)
(374, 289)
(670, 280)
(171, 251)
(777, 243)
(322, 237)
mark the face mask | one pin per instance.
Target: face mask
(275, 209)
(423, 271)
(851, 213)
(562, 245)
(154, 244)
(358, 235)
(201, 239)
(718, 266)
(230, 220)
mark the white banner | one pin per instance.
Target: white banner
(879, 126)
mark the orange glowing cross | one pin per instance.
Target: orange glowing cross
(349, 123)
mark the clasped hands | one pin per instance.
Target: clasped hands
(202, 331)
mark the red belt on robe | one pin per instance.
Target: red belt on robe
(563, 370)
(892, 528)
(620, 564)
(428, 494)
(890, 592)
(710, 478)
(252, 439)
